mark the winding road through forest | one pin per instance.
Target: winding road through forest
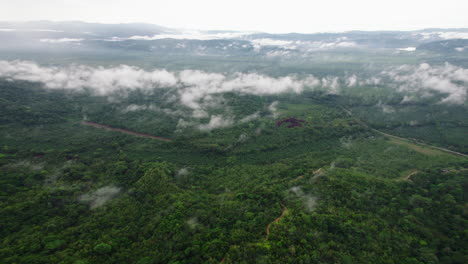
(274, 221)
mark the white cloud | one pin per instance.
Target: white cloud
(332, 45)
(196, 88)
(100, 197)
(194, 35)
(193, 223)
(217, 121)
(273, 107)
(183, 124)
(29, 30)
(271, 42)
(407, 49)
(352, 80)
(183, 172)
(135, 107)
(200, 90)
(43, 30)
(387, 109)
(443, 35)
(407, 99)
(100, 80)
(310, 202)
(371, 81)
(303, 46)
(278, 53)
(259, 43)
(242, 138)
(425, 79)
(61, 40)
(249, 118)
(331, 84)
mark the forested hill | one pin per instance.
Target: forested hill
(329, 189)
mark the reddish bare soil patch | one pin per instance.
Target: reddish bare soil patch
(291, 121)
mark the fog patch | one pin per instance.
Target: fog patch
(443, 35)
(183, 124)
(242, 138)
(193, 223)
(258, 131)
(194, 35)
(61, 40)
(346, 142)
(407, 99)
(302, 46)
(317, 174)
(310, 201)
(352, 81)
(331, 84)
(259, 43)
(52, 177)
(196, 90)
(200, 90)
(332, 45)
(425, 79)
(217, 121)
(135, 107)
(183, 172)
(250, 118)
(387, 109)
(100, 196)
(407, 49)
(29, 165)
(100, 80)
(413, 123)
(273, 108)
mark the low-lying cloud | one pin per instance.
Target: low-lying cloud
(199, 88)
(196, 90)
(100, 196)
(310, 201)
(100, 80)
(217, 121)
(199, 92)
(446, 79)
(302, 46)
(443, 35)
(193, 35)
(407, 49)
(61, 40)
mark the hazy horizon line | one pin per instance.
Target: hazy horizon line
(231, 30)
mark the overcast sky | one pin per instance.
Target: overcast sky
(304, 16)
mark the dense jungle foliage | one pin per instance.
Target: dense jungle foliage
(72, 193)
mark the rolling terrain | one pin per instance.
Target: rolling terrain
(141, 145)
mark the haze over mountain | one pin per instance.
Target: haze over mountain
(95, 33)
(139, 143)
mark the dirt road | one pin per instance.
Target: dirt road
(87, 123)
(401, 138)
(274, 221)
(407, 177)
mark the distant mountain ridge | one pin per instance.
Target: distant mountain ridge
(98, 29)
(77, 37)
